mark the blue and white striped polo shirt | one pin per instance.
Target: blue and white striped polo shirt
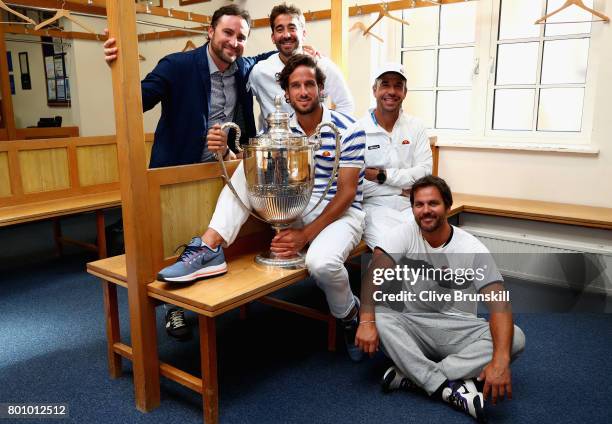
(351, 153)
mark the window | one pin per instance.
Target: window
(541, 70)
(438, 49)
(482, 69)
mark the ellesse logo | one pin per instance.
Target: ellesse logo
(406, 142)
(326, 154)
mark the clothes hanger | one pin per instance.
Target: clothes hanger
(189, 46)
(63, 13)
(569, 3)
(19, 15)
(384, 12)
(141, 57)
(360, 25)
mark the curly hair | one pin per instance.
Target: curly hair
(293, 63)
(284, 9)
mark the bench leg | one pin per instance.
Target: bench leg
(113, 334)
(101, 230)
(208, 359)
(57, 236)
(331, 333)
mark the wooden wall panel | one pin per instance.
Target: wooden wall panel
(186, 210)
(44, 170)
(5, 178)
(97, 164)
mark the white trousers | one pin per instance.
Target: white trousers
(326, 254)
(384, 216)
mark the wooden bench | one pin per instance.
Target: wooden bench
(561, 213)
(55, 178)
(181, 203)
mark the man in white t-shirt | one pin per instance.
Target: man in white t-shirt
(288, 32)
(425, 310)
(397, 154)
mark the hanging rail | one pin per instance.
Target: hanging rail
(99, 6)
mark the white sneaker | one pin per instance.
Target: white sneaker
(464, 396)
(395, 380)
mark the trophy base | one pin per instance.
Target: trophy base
(270, 259)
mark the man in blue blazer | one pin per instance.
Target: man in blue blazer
(199, 90)
(184, 84)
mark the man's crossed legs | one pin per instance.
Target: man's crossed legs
(440, 354)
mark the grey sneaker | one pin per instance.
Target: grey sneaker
(195, 262)
(464, 396)
(395, 380)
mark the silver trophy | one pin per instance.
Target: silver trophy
(279, 170)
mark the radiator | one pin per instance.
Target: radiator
(549, 260)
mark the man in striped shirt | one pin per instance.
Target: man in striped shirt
(331, 231)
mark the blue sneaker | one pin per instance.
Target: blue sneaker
(195, 262)
(349, 328)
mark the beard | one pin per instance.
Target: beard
(288, 50)
(220, 52)
(429, 228)
(305, 110)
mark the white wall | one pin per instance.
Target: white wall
(560, 177)
(31, 105)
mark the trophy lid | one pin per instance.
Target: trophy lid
(279, 132)
(278, 119)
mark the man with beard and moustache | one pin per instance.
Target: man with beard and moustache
(437, 347)
(288, 27)
(331, 231)
(397, 154)
(199, 90)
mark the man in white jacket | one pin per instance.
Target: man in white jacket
(397, 154)
(288, 27)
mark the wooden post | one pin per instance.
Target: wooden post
(113, 331)
(134, 197)
(339, 31)
(208, 360)
(5, 88)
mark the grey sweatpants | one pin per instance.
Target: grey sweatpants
(430, 348)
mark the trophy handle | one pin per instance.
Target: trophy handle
(226, 176)
(318, 144)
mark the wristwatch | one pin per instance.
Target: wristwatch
(381, 177)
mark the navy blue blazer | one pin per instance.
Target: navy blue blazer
(181, 81)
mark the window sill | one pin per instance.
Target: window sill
(585, 149)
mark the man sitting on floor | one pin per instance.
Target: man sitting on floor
(332, 230)
(426, 308)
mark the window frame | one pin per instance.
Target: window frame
(483, 87)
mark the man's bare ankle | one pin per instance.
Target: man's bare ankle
(212, 238)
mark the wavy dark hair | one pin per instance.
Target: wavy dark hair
(284, 9)
(432, 181)
(293, 63)
(231, 10)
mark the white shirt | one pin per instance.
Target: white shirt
(462, 252)
(262, 83)
(404, 153)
